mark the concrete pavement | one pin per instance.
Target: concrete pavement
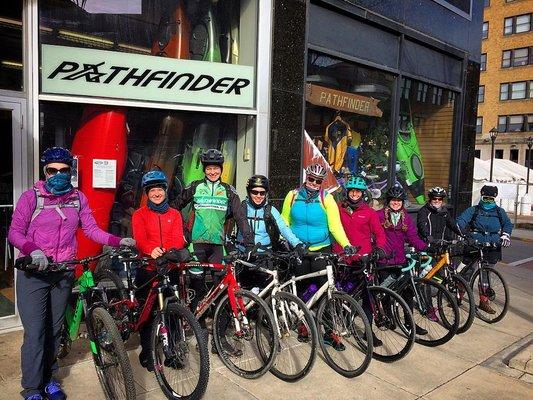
(474, 365)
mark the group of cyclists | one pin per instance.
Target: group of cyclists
(48, 215)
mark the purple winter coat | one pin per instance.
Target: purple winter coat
(404, 232)
(49, 232)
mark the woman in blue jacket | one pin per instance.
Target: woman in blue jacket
(487, 223)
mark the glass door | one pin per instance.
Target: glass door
(10, 173)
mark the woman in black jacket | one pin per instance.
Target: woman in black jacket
(434, 220)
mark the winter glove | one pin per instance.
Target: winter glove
(39, 258)
(505, 239)
(129, 242)
(380, 253)
(300, 250)
(350, 250)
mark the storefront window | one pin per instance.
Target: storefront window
(116, 146)
(11, 52)
(348, 117)
(424, 144)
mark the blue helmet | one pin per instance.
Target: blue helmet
(154, 178)
(57, 155)
(356, 182)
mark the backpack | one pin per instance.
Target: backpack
(476, 213)
(270, 225)
(39, 205)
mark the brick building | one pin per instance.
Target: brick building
(505, 97)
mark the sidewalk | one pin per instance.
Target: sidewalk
(459, 369)
(523, 234)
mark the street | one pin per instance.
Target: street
(519, 250)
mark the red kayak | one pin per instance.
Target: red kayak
(172, 38)
(102, 135)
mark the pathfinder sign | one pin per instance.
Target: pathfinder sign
(342, 101)
(88, 72)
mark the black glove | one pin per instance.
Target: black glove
(350, 250)
(300, 250)
(380, 253)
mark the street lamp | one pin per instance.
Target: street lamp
(529, 142)
(493, 134)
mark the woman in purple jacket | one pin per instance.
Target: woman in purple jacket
(399, 229)
(44, 227)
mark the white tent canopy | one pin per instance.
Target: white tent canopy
(503, 171)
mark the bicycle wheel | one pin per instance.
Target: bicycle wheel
(387, 308)
(435, 313)
(238, 339)
(111, 282)
(345, 334)
(496, 292)
(110, 357)
(179, 351)
(297, 337)
(464, 297)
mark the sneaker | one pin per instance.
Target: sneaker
(420, 331)
(303, 333)
(376, 341)
(226, 348)
(36, 396)
(333, 340)
(53, 391)
(484, 305)
(146, 361)
(432, 315)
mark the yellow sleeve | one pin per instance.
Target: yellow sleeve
(286, 210)
(334, 221)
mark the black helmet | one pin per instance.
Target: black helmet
(490, 191)
(57, 155)
(257, 181)
(437, 191)
(395, 192)
(212, 157)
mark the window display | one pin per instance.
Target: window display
(115, 146)
(11, 76)
(348, 117)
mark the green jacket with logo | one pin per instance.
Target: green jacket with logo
(212, 204)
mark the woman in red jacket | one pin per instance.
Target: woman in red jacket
(363, 229)
(157, 228)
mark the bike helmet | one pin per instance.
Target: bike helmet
(57, 155)
(212, 157)
(395, 192)
(489, 191)
(437, 191)
(257, 181)
(356, 182)
(316, 170)
(153, 179)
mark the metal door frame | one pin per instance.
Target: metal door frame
(17, 106)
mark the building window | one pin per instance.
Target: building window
(451, 98)
(513, 156)
(477, 153)
(483, 62)
(515, 123)
(516, 24)
(437, 96)
(406, 88)
(422, 92)
(502, 123)
(529, 126)
(516, 90)
(506, 58)
(11, 28)
(485, 33)
(479, 125)
(517, 57)
(481, 94)
(498, 153)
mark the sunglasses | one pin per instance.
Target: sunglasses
(436, 199)
(487, 199)
(258, 192)
(55, 171)
(314, 180)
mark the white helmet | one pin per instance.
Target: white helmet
(316, 170)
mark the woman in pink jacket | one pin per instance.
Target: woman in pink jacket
(44, 227)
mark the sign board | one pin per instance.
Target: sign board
(89, 72)
(342, 101)
(104, 174)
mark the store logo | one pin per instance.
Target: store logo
(85, 72)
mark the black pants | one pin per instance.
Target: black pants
(41, 301)
(142, 278)
(310, 264)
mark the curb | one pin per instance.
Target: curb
(499, 361)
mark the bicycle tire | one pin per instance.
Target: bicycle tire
(179, 319)
(492, 296)
(387, 323)
(464, 297)
(421, 316)
(114, 287)
(350, 327)
(109, 341)
(258, 318)
(292, 327)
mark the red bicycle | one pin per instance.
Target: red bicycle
(242, 321)
(179, 350)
